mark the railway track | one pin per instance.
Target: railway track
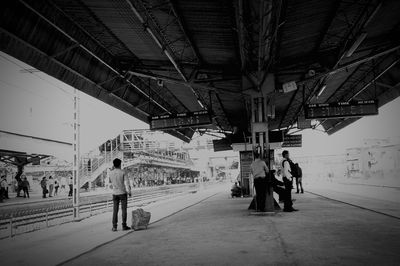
(31, 218)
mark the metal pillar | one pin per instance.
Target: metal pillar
(260, 131)
(76, 157)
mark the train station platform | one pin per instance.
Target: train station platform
(210, 228)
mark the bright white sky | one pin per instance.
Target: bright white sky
(39, 105)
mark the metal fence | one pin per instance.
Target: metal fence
(28, 220)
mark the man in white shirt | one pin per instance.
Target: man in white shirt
(121, 189)
(259, 170)
(288, 180)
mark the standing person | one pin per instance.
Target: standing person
(299, 179)
(51, 186)
(89, 165)
(288, 181)
(259, 170)
(56, 186)
(121, 189)
(70, 184)
(3, 187)
(25, 186)
(18, 186)
(43, 184)
(63, 183)
(6, 184)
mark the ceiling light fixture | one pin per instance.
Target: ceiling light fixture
(356, 44)
(321, 90)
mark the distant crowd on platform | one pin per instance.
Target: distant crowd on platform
(54, 186)
(150, 179)
(50, 187)
(22, 187)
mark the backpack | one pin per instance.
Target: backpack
(294, 169)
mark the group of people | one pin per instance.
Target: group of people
(21, 185)
(51, 186)
(264, 178)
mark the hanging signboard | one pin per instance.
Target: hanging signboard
(181, 120)
(246, 158)
(222, 144)
(341, 109)
(303, 123)
(289, 86)
(291, 141)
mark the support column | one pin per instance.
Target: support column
(260, 140)
(76, 157)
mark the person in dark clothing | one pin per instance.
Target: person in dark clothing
(259, 170)
(25, 186)
(43, 184)
(56, 186)
(299, 180)
(236, 190)
(288, 181)
(70, 184)
(277, 186)
(3, 186)
(19, 187)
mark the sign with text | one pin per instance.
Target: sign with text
(291, 141)
(303, 123)
(289, 86)
(181, 120)
(246, 158)
(222, 144)
(341, 109)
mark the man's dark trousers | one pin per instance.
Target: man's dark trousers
(260, 185)
(123, 198)
(287, 203)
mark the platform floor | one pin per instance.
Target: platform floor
(220, 231)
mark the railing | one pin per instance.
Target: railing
(31, 219)
(88, 172)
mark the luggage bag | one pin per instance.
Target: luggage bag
(140, 219)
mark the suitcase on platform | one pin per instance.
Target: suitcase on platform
(140, 219)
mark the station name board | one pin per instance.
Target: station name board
(341, 109)
(292, 141)
(180, 120)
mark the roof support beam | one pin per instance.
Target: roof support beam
(185, 31)
(241, 34)
(179, 82)
(89, 52)
(161, 46)
(346, 39)
(365, 85)
(54, 60)
(331, 17)
(352, 64)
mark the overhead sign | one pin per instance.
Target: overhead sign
(341, 109)
(289, 86)
(181, 120)
(222, 144)
(303, 123)
(291, 141)
(275, 136)
(246, 158)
